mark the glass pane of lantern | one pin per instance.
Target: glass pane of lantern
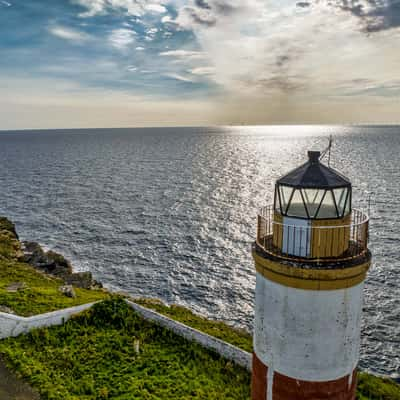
(313, 198)
(297, 207)
(347, 208)
(340, 197)
(285, 192)
(277, 203)
(328, 208)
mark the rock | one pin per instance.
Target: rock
(10, 246)
(68, 291)
(57, 265)
(51, 262)
(6, 309)
(16, 286)
(82, 280)
(59, 261)
(97, 284)
(34, 254)
(7, 225)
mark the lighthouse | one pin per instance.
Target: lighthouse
(311, 257)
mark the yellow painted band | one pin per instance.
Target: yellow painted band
(311, 279)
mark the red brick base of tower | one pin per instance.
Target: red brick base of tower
(285, 388)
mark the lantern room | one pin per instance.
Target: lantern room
(313, 191)
(312, 216)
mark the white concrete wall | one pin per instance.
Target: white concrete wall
(307, 334)
(226, 350)
(14, 325)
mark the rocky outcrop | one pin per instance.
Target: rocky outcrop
(57, 265)
(10, 246)
(7, 225)
(49, 262)
(82, 280)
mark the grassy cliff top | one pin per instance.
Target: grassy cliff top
(27, 291)
(110, 352)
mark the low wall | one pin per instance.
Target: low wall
(226, 350)
(14, 325)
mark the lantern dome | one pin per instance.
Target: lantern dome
(313, 191)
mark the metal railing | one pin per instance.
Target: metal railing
(308, 241)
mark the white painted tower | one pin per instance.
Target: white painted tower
(311, 258)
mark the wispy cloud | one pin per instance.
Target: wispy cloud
(178, 77)
(132, 7)
(184, 54)
(202, 71)
(67, 33)
(208, 13)
(155, 8)
(121, 38)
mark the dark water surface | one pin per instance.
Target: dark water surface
(171, 213)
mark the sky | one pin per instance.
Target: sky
(122, 63)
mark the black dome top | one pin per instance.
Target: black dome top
(314, 175)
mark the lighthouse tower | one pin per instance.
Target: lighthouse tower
(311, 258)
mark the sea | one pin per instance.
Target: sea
(170, 213)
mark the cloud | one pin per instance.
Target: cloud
(202, 4)
(303, 4)
(151, 34)
(5, 3)
(94, 7)
(202, 71)
(166, 19)
(68, 33)
(179, 77)
(131, 7)
(209, 12)
(375, 88)
(184, 54)
(196, 15)
(121, 38)
(374, 15)
(256, 54)
(265, 49)
(156, 8)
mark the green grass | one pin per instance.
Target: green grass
(375, 388)
(41, 293)
(93, 356)
(220, 330)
